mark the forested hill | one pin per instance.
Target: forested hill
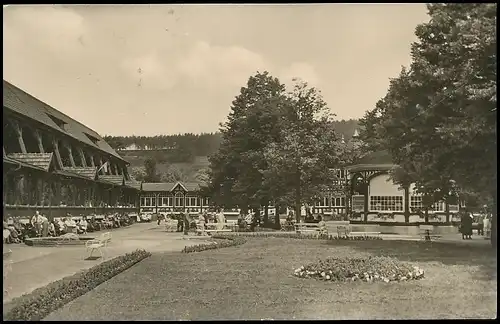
(187, 146)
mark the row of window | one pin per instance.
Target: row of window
(152, 201)
(395, 203)
(331, 202)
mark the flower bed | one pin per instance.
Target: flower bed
(360, 269)
(303, 236)
(42, 301)
(224, 241)
(55, 241)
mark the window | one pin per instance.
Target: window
(192, 201)
(386, 203)
(167, 201)
(342, 201)
(148, 201)
(179, 200)
(206, 202)
(59, 122)
(417, 204)
(93, 139)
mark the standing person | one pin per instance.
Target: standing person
(487, 228)
(185, 221)
(480, 223)
(36, 222)
(45, 226)
(220, 219)
(201, 224)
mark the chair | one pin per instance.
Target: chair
(97, 244)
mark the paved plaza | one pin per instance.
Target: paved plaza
(29, 268)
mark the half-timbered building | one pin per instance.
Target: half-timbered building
(56, 165)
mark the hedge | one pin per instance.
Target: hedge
(304, 236)
(225, 241)
(45, 300)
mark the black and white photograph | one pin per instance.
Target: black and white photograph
(314, 161)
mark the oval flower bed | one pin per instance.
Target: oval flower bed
(304, 236)
(223, 241)
(360, 269)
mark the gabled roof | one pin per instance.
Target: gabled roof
(39, 160)
(87, 172)
(114, 179)
(20, 102)
(380, 160)
(169, 186)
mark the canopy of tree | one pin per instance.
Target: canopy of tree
(438, 118)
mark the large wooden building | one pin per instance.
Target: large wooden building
(172, 198)
(56, 165)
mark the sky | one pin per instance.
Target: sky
(169, 69)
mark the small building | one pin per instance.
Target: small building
(376, 198)
(56, 165)
(172, 198)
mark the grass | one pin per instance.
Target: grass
(255, 281)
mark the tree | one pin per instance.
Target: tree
(236, 170)
(151, 172)
(438, 118)
(300, 161)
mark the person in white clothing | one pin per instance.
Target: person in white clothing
(221, 219)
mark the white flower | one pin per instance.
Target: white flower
(386, 280)
(328, 277)
(323, 274)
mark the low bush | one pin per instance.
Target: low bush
(362, 269)
(43, 301)
(223, 241)
(305, 236)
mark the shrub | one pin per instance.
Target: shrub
(362, 269)
(43, 301)
(224, 241)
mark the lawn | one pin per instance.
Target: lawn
(255, 281)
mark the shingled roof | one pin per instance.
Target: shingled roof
(133, 184)
(40, 160)
(20, 102)
(169, 186)
(115, 179)
(87, 172)
(380, 160)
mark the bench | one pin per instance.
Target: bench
(213, 227)
(363, 234)
(310, 228)
(427, 233)
(97, 244)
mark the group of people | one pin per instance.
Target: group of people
(185, 222)
(466, 225)
(14, 231)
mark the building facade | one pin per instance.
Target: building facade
(56, 165)
(375, 198)
(172, 198)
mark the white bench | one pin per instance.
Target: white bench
(427, 233)
(309, 228)
(97, 244)
(213, 227)
(363, 234)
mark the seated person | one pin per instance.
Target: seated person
(322, 226)
(70, 225)
(61, 226)
(83, 225)
(52, 230)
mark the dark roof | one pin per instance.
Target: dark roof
(115, 179)
(88, 172)
(40, 160)
(379, 157)
(169, 186)
(23, 103)
(133, 184)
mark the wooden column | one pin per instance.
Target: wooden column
(92, 163)
(70, 151)
(19, 132)
(38, 137)
(82, 156)
(57, 153)
(407, 204)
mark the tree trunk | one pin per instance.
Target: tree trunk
(426, 215)
(266, 213)
(494, 223)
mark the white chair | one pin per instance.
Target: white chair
(98, 244)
